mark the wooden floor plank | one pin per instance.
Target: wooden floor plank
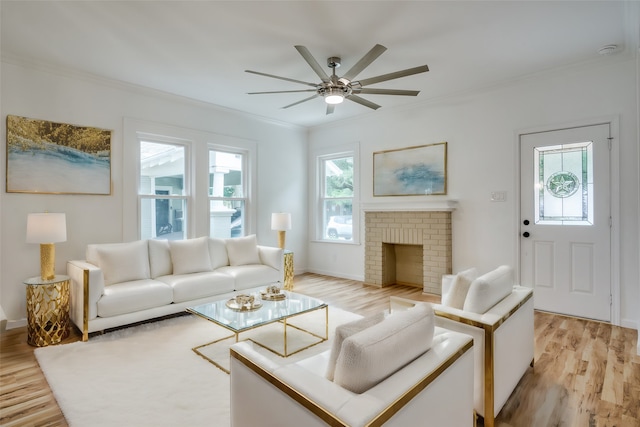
(586, 374)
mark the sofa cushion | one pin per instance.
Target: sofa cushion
(343, 332)
(190, 255)
(159, 258)
(370, 356)
(129, 297)
(218, 253)
(243, 250)
(123, 262)
(459, 288)
(489, 289)
(188, 287)
(250, 276)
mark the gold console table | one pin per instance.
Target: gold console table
(288, 270)
(47, 310)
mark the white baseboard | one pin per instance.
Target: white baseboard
(337, 274)
(13, 324)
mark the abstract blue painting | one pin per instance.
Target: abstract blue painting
(57, 158)
(412, 171)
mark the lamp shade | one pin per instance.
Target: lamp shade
(281, 221)
(46, 228)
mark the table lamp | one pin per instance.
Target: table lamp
(281, 222)
(47, 229)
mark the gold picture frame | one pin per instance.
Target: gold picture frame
(46, 157)
(412, 171)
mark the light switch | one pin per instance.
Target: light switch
(498, 196)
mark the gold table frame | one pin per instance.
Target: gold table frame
(282, 319)
(47, 310)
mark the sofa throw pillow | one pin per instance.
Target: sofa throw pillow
(123, 262)
(218, 253)
(489, 289)
(345, 331)
(190, 255)
(459, 288)
(243, 250)
(160, 258)
(370, 356)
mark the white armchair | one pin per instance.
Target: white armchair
(499, 316)
(436, 388)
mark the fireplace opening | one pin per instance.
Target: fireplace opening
(402, 265)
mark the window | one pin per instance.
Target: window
(564, 190)
(336, 176)
(227, 193)
(162, 191)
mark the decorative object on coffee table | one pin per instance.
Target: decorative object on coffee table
(272, 293)
(244, 302)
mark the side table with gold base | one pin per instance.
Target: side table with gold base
(47, 310)
(288, 270)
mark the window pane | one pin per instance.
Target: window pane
(161, 168)
(162, 218)
(226, 218)
(338, 177)
(338, 220)
(564, 189)
(225, 174)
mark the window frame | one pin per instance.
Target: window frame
(246, 184)
(186, 196)
(320, 158)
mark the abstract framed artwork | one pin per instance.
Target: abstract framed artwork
(45, 157)
(412, 171)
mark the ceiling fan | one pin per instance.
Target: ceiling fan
(336, 89)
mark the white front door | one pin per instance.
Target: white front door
(565, 230)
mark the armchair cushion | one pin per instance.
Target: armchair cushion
(489, 289)
(190, 255)
(243, 250)
(343, 332)
(459, 288)
(368, 357)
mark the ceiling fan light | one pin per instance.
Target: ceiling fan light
(334, 99)
(333, 96)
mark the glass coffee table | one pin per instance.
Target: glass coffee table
(271, 311)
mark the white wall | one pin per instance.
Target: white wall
(481, 130)
(57, 96)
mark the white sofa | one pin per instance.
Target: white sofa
(499, 315)
(124, 283)
(427, 387)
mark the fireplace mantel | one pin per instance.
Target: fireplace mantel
(436, 206)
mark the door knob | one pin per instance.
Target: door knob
(526, 234)
(525, 222)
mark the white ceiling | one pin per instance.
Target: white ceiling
(200, 49)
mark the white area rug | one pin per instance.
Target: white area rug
(148, 375)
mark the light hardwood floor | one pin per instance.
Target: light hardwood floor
(586, 373)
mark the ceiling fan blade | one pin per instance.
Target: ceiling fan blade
(363, 101)
(300, 102)
(281, 78)
(282, 91)
(313, 63)
(330, 108)
(394, 75)
(370, 91)
(366, 60)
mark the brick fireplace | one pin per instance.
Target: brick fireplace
(428, 231)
